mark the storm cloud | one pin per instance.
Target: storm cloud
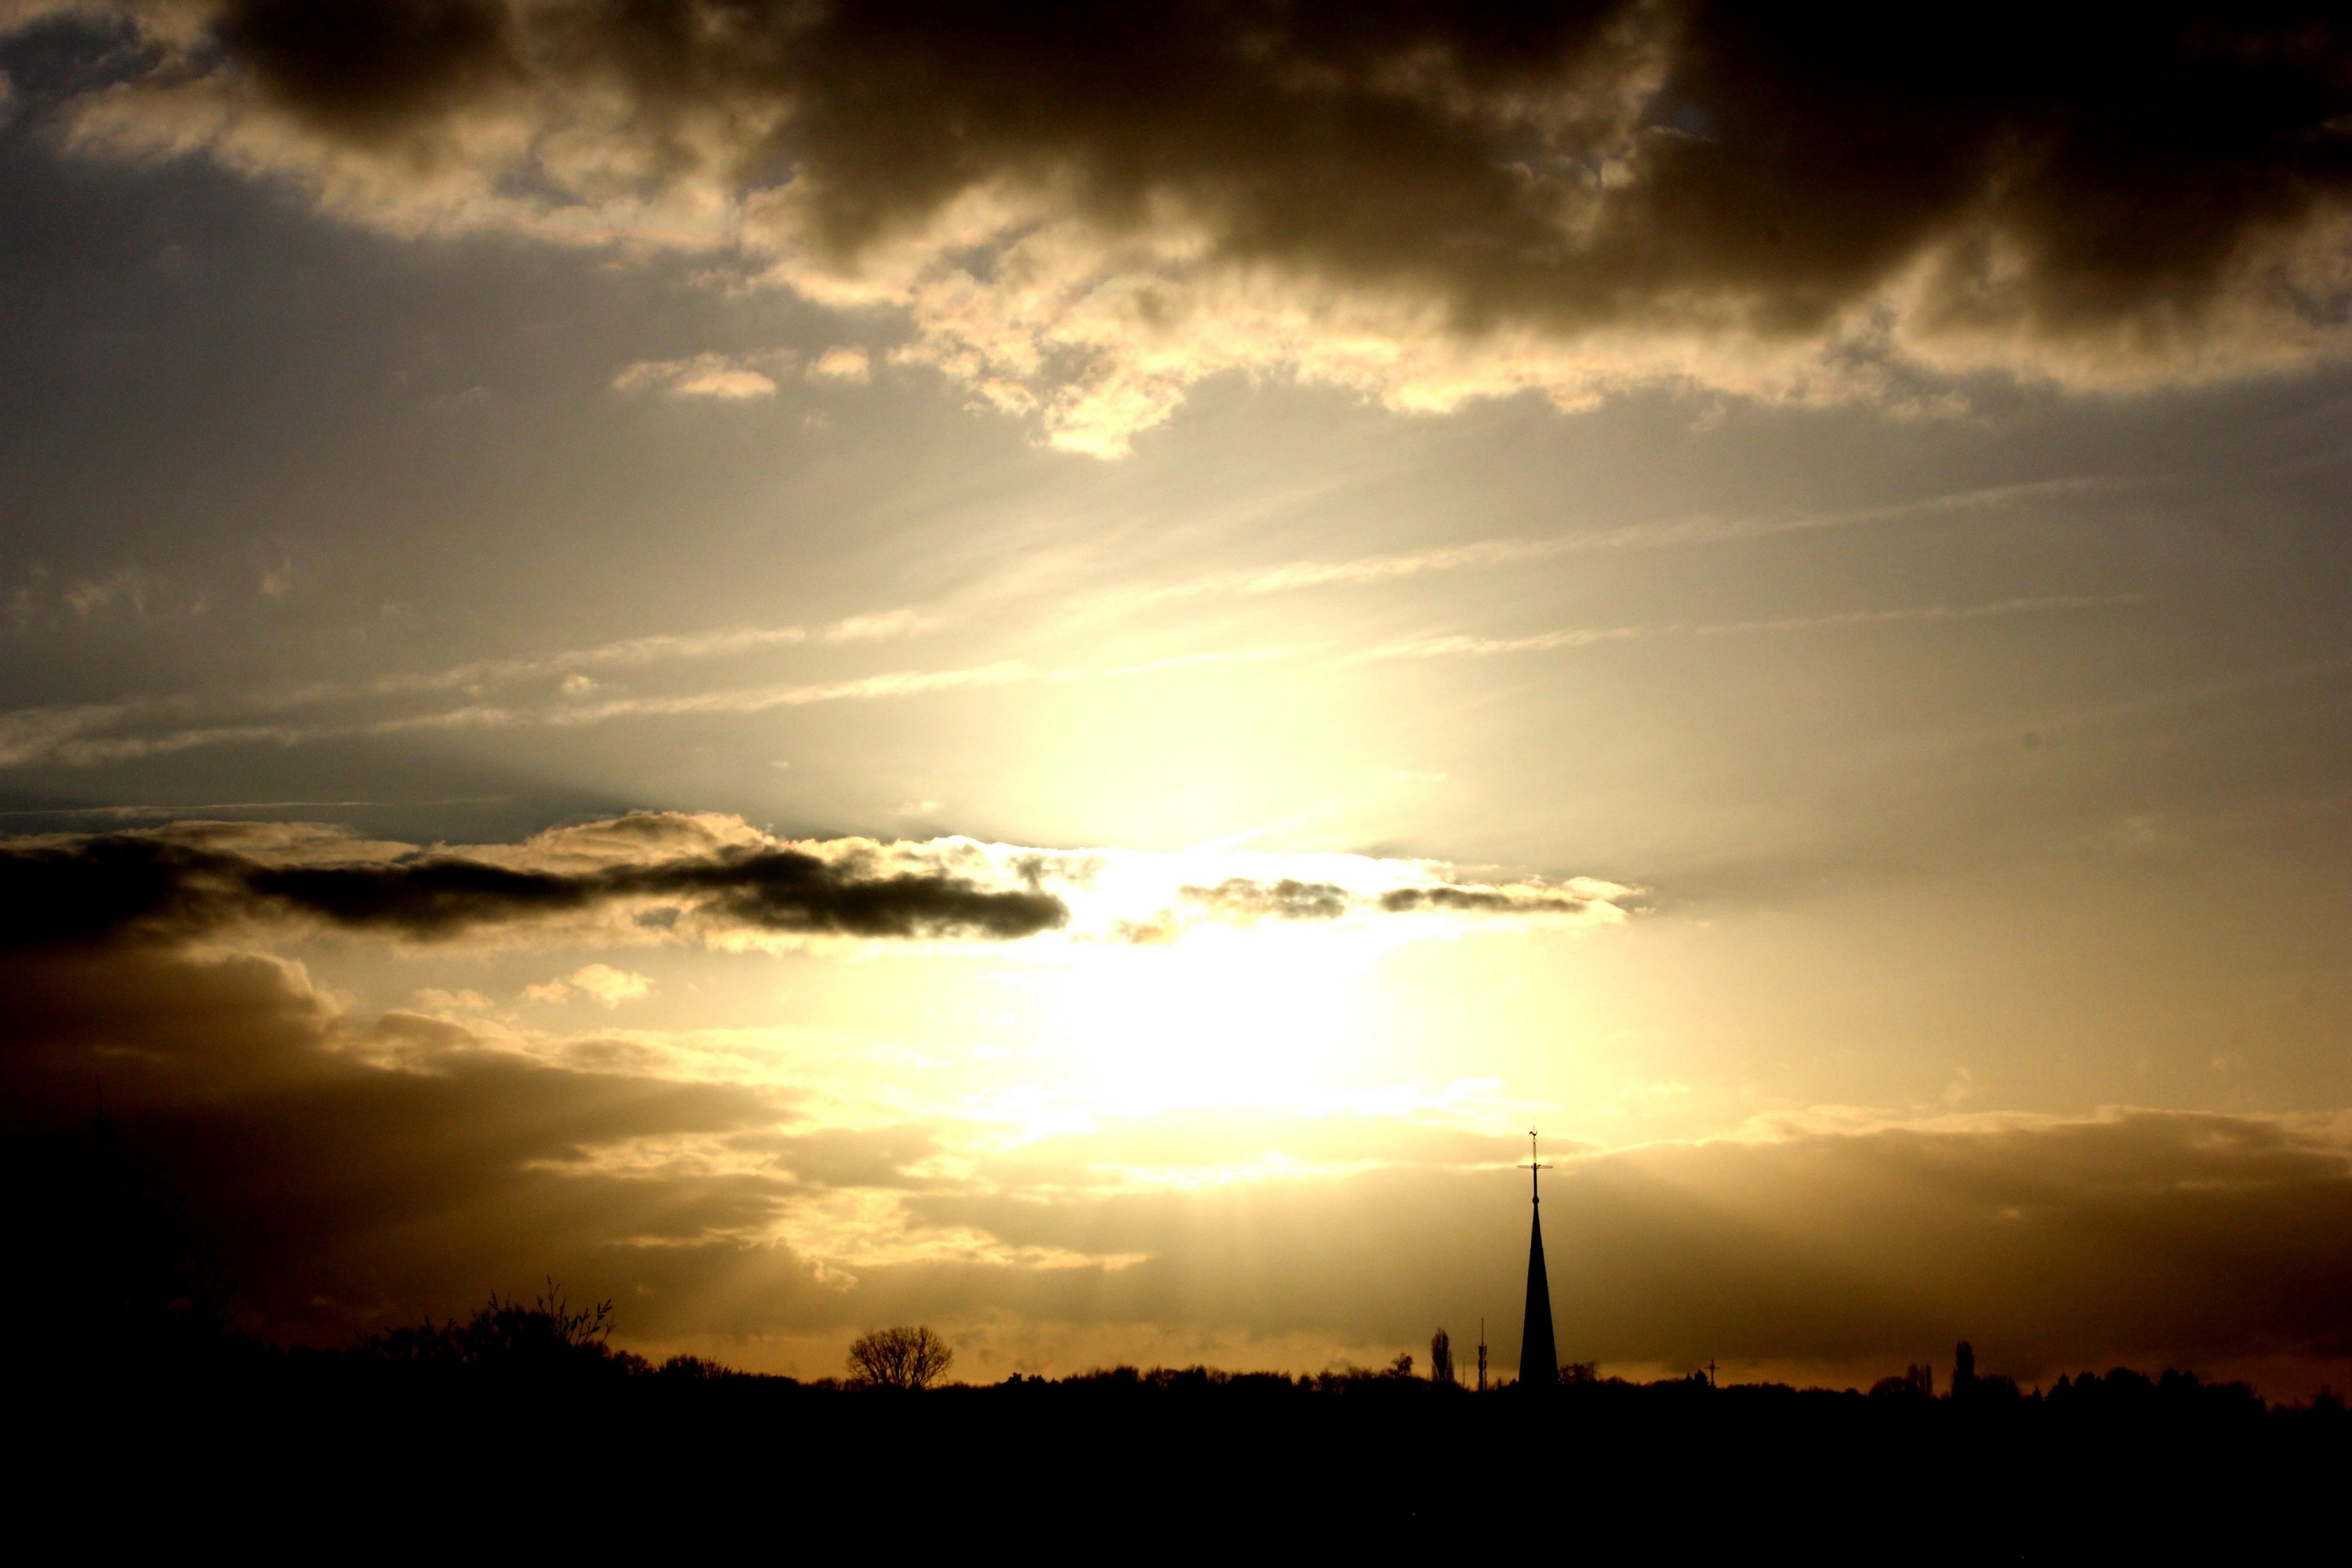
(1080, 212)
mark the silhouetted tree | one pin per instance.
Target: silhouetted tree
(1964, 1370)
(1916, 1382)
(1441, 1358)
(900, 1357)
(1402, 1366)
(1579, 1372)
(693, 1369)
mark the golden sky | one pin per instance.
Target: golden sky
(814, 667)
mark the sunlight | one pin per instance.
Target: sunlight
(1252, 1018)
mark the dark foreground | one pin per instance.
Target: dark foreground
(362, 1453)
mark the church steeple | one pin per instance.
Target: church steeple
(1538, 1357)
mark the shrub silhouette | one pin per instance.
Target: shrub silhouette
(903, 1357)
(547, 1340)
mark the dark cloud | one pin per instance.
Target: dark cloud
(1245, 900)
(1501, 196)
(1793, 156)
(368, 69)
(788, 890)
(1481, 900)
(334, 1188)
(177, 883)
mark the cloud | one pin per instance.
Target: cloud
(352, 1170)
(1243, 900)
(1461, 646)
(436, 1160)
(704, 375)
(1301, 576)
(2053, 1244)
(625, 653)
(411, 1164)
(841, 364)
(96, 734)
(1080, 217)
(658, 877)
(1246, 899)
(676, 876)
(601, 983)
(29, 735)
(1483, 900)
(129, 586)
(78, 734)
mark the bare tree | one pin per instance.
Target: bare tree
(900, 1357)
(1440, 1357)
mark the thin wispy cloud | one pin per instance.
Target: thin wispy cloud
(730, 700)
(2039, 604)
(133, 813)
(624, 653)
(1297, 577)
(68, 745)
(1464, 647)
(78, 734)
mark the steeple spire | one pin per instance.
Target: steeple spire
(1538, 1357)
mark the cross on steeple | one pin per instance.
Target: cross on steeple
(1532, 1167)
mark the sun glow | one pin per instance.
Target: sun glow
(1249, 1018)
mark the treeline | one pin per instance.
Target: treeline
(522, 1417)
(144, 1416)
(525, 1414)
(550, 1344)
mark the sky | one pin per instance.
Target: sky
(814, 666)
